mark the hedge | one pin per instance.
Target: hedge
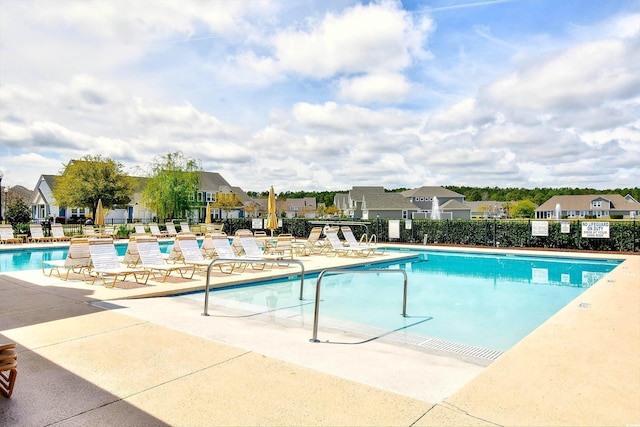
(624, 235)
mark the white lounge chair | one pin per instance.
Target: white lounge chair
(354, 243)
(224, 250)
(236, 244)
(155, 231)
(191, 254)
(338, 248)
(313, 245)
(58, 233)
(108, 231)
(6, 234)
(131, 256)
(207, 248)
(283, 246)
(151, 259)
(253, 251)
(171, 229)
(140, 228)
(105, 263)
(89, 231)
(78, 260)
(37, 235)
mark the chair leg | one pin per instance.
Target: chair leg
(7, 381)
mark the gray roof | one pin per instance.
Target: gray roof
(214, 182)
(387, 201)
(583, 202)
(356, 193)
(340, 200)
(241, 194)
(427, 191)
(48, 179)
(454, 205)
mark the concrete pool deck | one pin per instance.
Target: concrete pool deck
(82, 364)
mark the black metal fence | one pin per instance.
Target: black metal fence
(624, 235)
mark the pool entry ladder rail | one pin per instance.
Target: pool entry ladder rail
(316, 313)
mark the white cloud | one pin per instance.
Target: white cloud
(373, 88)
(349, 117)
(377, 39)
(297, 94)
(583, 75)
(373, 38)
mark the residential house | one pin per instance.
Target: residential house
(11, 194)
(589, 206)
(304, 207)
(449, 203)
(211, 185)
(350, 204)
(42, 202)
(387, 206)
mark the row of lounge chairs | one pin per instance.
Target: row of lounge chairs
(57, 232)
(97, 258)
(171, 231)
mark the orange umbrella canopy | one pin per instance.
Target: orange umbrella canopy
(272, 220)
(207, 218)
(99, 217)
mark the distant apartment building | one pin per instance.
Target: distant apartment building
(589, 206)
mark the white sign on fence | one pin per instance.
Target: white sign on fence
(539, 228)
(565, 227)
(598, 230)
(394, 229)
(256, 223)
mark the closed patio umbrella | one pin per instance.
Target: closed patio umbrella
(272, 220)
(207, 218)
(99, 216)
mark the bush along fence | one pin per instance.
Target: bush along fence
(623, 235)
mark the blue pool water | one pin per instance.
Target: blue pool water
(487, 301)
(31, 259)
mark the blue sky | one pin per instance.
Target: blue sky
(326, 95)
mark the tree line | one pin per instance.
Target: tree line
(473, 194)
(536, 195)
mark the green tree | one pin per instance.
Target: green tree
(227, 202)
(83, 182)
(524, 209)
(173, 183)
(17, 212)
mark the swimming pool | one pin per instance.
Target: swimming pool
(454, 299)
(18, 259)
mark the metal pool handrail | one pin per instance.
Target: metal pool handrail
(316, 313)
(250, 261)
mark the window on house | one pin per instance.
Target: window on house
(571, 214)
(596, 204)
(404, 214)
